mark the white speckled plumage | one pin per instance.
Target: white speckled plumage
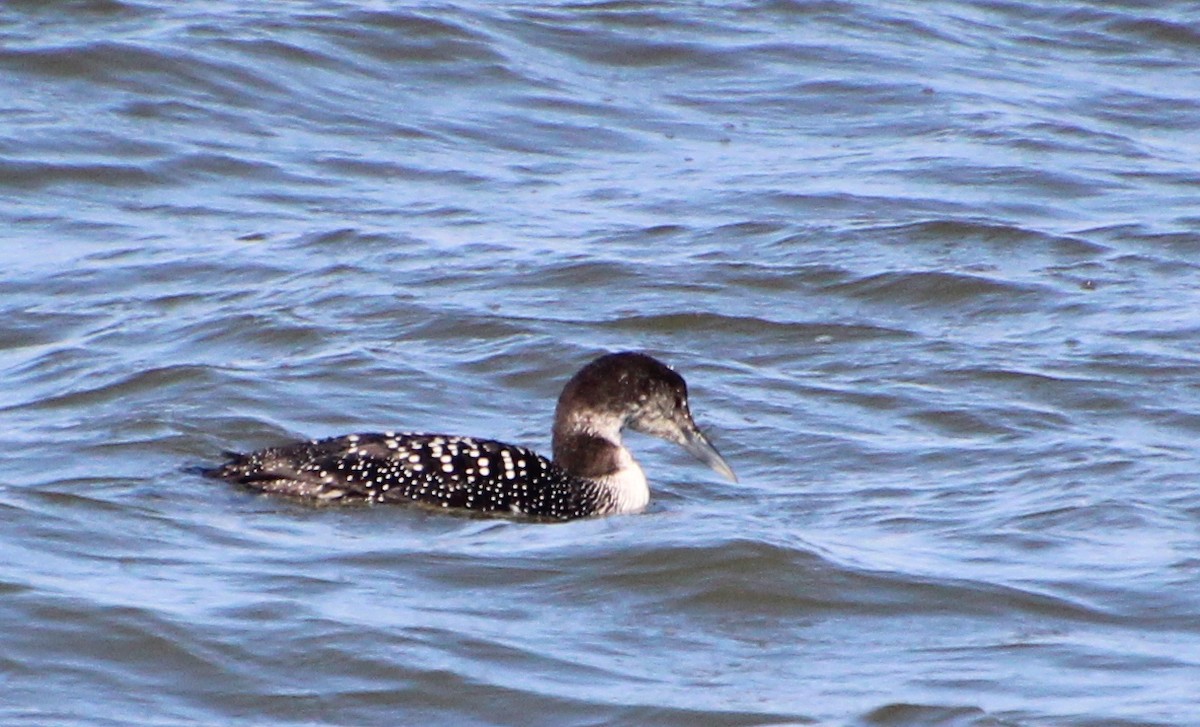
(593, 473)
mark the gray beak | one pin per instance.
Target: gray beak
(695, 442)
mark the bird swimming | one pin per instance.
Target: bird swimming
(592, 473)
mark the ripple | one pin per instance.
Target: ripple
(733, 326)
(41, 174)
(927, 714)
(939, 289)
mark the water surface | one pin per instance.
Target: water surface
(931, 273)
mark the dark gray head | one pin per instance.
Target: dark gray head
(636, 391)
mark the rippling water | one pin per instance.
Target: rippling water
(932, 271)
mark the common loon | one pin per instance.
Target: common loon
(592, 473)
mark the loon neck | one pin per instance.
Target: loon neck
(589, 455)
(586, 440)
(607, 463)
(590, 447)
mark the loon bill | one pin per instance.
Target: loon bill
(592, 472)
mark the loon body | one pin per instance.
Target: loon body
(592, 472)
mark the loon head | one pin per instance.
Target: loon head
(632, 390)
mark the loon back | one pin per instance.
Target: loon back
(593, 473)
(482, 475)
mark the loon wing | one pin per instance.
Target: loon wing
(435, 469)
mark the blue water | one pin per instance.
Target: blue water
(931, 271)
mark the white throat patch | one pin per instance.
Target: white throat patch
(627, 485)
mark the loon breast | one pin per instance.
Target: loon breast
(592, 472)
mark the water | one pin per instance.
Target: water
(931, 272)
